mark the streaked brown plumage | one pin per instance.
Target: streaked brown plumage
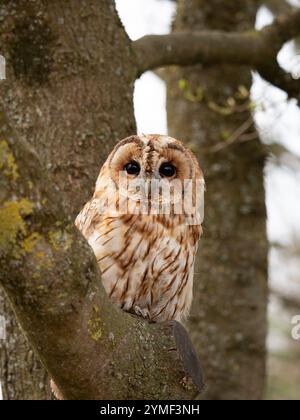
(146, 260)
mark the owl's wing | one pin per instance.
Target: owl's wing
(88, 218)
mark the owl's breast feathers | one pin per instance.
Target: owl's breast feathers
(146, 261)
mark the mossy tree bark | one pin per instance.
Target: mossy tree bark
(68, 93)
(210, 108)
(91, 348)
(66, 100)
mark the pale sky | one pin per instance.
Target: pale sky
(143, 17)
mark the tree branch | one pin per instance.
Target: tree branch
(257, 49)
(189, 48)
(278, 7)
(91, 349)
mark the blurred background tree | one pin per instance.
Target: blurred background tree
(69, 113)
(277, 122)
(210, 108)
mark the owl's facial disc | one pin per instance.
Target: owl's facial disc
(155, 168)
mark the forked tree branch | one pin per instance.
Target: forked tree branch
(91, 349)
(257, 49)
(278, 7)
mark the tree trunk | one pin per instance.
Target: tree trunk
(208, 106)
(69, 83)
(21, 373)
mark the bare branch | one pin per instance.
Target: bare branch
(235, 137)
(278, 7)
(189, 48)
(284, 27)
(275, 75)
(290, 302)
(257, 49)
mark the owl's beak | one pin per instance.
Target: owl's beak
(147, 185)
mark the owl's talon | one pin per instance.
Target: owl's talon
(55, 391)
(142, 312)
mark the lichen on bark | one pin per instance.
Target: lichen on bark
(7, 161)
(12, 224)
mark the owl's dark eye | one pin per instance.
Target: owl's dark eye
(167, 170)
(132, 168)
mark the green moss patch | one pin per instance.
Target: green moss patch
(7, 161)
(12, 222)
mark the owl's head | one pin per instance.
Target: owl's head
(153, 157)
(150, 160)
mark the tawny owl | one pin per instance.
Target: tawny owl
(144, 244)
